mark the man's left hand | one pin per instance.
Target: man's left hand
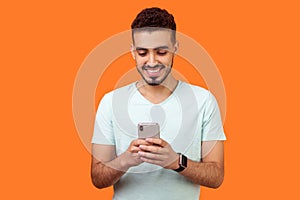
(159, 153)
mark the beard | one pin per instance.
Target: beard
(155, 81)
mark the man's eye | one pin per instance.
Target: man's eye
(142, 53)
(161, 53)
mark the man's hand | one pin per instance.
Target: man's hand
(131, 157)
(107, 168)
(158, 152)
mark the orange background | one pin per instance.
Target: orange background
(255, 45)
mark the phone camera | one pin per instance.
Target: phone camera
(141, 128)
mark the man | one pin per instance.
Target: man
(189, 151)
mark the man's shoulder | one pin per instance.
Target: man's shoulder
(123, 90)
(196, 89)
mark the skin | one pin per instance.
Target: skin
(155, 50)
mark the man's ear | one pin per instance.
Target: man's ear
(176, 46)
(132, 51)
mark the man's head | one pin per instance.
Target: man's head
(154, 44)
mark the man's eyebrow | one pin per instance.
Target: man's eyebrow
(156, 48)
(161, 47)
(141, 48)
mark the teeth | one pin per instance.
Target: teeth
(153, 71)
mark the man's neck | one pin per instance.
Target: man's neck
(158, 93)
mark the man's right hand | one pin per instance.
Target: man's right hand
(130, 157)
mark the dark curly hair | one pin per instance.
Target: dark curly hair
(151, 19)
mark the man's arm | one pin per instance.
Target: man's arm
(101, 173)
(209, 172)
(107, 168)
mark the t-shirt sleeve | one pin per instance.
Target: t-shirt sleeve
(212, 127)
(103, 129)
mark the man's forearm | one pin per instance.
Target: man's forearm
(107, 174)
(107, 169)
(207, 174)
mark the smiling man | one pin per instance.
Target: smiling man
(153, 51)
(189, 151)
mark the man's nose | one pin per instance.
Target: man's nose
(152, 59)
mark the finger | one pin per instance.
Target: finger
(150, 156)
(155, 162)
(151, 148)
(138, 142)
(134, 149)
(157, 141)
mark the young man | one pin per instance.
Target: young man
(189, 151)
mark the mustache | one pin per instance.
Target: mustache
(145, 67)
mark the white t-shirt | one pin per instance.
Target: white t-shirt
(187, 117)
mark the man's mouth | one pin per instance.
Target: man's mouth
(153, 71)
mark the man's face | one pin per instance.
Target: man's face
(153, 53)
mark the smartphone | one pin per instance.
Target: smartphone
(148, 130)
